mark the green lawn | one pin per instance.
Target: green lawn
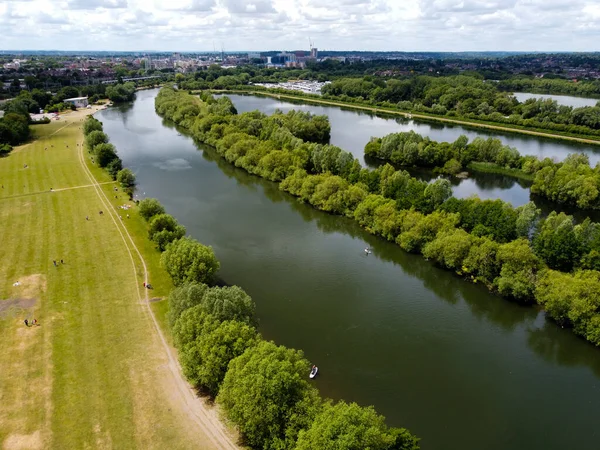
(91, 375)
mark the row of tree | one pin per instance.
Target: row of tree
(105, 154)
(468, 97)
(485, 241)
(572, 181)
(262, 388)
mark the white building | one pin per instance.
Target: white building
(79, 102)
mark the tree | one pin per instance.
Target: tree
(105, 153)
(519, 269)
(229, 303)
(556, 242)
(94, 138)
(114, 167)
(527, 218)
(438, 192)
(186, 259)
(205, 360)
(126, 177)
(266, 394)
(121, 92)
(164, 229)
(14, 129)
(150, 207)
(184, 297)
(91, 124)
(351, 427)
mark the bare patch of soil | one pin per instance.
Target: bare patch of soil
(31, 441)
(16, 304)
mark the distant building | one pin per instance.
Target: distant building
(314, 52)
(79, 102)
(253, 55)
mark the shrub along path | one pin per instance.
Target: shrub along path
(97, 371)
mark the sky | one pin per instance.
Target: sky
(254, 25)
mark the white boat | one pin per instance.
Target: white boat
(313, 372)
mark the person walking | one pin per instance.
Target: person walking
(54, 262)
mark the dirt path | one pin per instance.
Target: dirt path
(55, 190)
(182, 392)
(423, 116)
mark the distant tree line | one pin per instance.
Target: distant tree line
(262, 388)
(508, 249)
(572, 181)
(467, 97)
(105, 155)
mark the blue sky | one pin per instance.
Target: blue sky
(200, 25)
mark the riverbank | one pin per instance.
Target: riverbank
(415, 115)
(96, 369)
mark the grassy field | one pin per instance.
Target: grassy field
(93, 373)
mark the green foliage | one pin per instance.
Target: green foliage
(205, 359)
(105, 153)
(94, 138)
(557, 243)
(186, 260)
(120, 93)
(91, 124)
(346, 426)
(229, 303)
(266, 394)
(126, 177)
(164, 229)
(573, 300)
(184, 297)
(150, 207)
(14, 128)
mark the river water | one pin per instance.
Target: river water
(567, 100)
(458, 366)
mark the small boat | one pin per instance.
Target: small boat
(313, 372)
(367, 251)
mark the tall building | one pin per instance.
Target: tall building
(314, 52)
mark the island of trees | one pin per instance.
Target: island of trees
(571, 181)
(551, 261)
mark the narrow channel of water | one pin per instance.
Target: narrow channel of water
(567, 100)
(458, 366)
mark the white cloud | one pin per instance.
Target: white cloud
(410, 25)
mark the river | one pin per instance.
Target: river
(567, 100)
(458, 366)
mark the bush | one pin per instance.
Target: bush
(188, 260)
(126, 178)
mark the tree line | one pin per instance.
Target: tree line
(573, 181)
(510, 250)
(466, 97)
(261, 387)
(105, 154)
